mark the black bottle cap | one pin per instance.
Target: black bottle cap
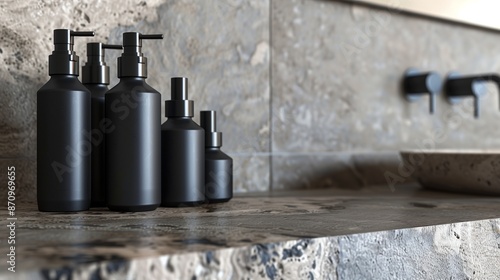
(95, 71)
(133, 63)
(208, 122)
(63, 60)
(179, 105)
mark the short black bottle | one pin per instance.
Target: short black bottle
(95, 76)
(218, 165)
(132, 145)
(182, 151)
(63, 127)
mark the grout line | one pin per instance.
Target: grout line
(271, 130)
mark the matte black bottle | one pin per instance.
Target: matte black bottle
(63, 127)
(95, 76)
(218, 165)
(182, 151)
(133, 142)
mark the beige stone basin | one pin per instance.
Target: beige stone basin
(465, 171)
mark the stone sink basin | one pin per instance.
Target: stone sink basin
(464, 171)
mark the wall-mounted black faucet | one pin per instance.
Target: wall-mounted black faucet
(458, 87)
(416, 84)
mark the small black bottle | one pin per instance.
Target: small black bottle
(95, 76)
(132, 145)
(218, 165)
(182, 151)
(63, 126)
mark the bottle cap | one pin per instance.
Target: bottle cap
(208, 122)
(63, 59)
(133, 63)
(95, 71)
(179, 105)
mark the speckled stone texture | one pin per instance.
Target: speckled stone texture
(316, 234)
(221, 46)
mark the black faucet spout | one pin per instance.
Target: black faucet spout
(464, 86)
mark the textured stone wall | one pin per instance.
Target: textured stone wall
(299, 85)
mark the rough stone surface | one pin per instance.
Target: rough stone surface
(452, 251)
(316, 234)
(336, 75)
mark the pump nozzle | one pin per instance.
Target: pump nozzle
(63, 60)
(208, 123)
(82, 33)
(95, 71)
(179, 105)
(133, 63)
(151, 36)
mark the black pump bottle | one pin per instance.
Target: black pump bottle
(218, 165)
(132, 145)
(63, 127)
(182, 151)
(95, 76)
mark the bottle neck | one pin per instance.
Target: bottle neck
(132, 65)
(179, 108)
(61, 63)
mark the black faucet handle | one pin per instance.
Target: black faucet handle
(417, 83)
(458, 87)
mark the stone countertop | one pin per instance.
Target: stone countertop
(306, 234)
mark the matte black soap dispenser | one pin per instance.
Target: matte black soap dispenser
(182, 150)
(95, 76)
(132, 146)
(63, 126)
(218, 165)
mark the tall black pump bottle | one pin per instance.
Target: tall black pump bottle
(182, 151)
(63, 127)
(95, 76)
(132, 145)
(218, 165)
